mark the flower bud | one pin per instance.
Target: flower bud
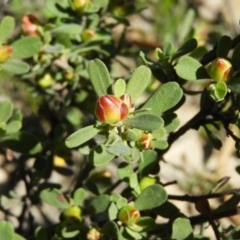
(93, 234)
(88, 34)
(73, 213)
(126, 98)
(129, 215)
(145, 142)
(111, 109)
(5, 53)
(30, 25)
(80, 4)
(220, 70)
(46, 81)
(146, 181)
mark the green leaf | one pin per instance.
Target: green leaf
(6, 230)
(119, 87)
(236, 58)
(22, 142)
(26, 47)
(124, 171)
(228, 205)
(132, 134)
(224, 46)
(133, 234)
(110, 229)
(234, 84)
(13, 126)
(146, 223)
(171, 122)
(19, 237)
(99, 77)
(54, 197)
(190, 69)
(98, 205)
(151, 197)
(79, 196)
(150, 159)
(167, 49)
(40, 234)
(186, 48)
(144, 121)
(235, 234)
(112, 211)
(81, 136)
(182, 229)
(69, 232)
(165, 97)
(138, 82)
(133, 182)
(6, 28)
(67, 29)
(99, 156)
(119, 149)
(218, 91)
(6, 111)
(160, 144)
(14, 66)
(215, 141)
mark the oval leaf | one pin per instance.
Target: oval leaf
(119, 87)
(68, 29)
(22, 142)
(138, 82)
(110, 229)
(151, 197)
(81, 136)
(144, 121)
(26, 47)
(6, 28)
(119, 149)
(98, 205)
(14, 66)
(6, 110)
(55, 198)
(224, 46)
(234, 84)
(164, 98)
(79, 196)
(99, 77)
(182, 229)
(236, 58)
(99, 156)
(6, 230)
(190, 69)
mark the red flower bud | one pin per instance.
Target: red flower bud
(111, 109)
(129, 215)
(220, 70)
(145, 142)
(127, 100)
(93, 234)
(30, 25)
(5, 53)
(73, 213)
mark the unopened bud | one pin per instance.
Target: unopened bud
(30, 25)
(88, 34)
(129, 215)
(73, 213)
(145, 142)
(93, 234)
(220, 70)
(81, 4)
(111, 109)
(5, 53)
(146, 181)
(127, 100)
(46, 81)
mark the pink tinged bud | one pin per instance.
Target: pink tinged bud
(93, 234)
(126, 98)
(5, 53)
(30, 25)
(220, 70)
(111, 109)
(129, 215)
(145, 142)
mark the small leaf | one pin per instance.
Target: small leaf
(40, 233)
(99, 156)
(186, 48)
(6, 111)
(55, 198)
(146, 223)
(67, 232)
(138, 82)
(6, 28)
(228, 205)
(171, 122)
(99, 77)
(15, 66)
(81, 136)
(215, 141)
(6, 230)
(79, 196)
(160, 144)
(234, 84)
(133, 234)
(235, 234)
(144, 121)
(119, 87)
(22, 142)
(119, 149)
(190, 69)
(150, 159)
(167, 49)
(164, 98)
(98, 205)
(236, 58)
(218, 91)
(13, 126)
(110, 229)
(151, 197)
(132, 134)
(112, 211)
(133, 182)
(124, 171)
(224, 46)
(182, 229)
(67, 29)
(26, 47)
